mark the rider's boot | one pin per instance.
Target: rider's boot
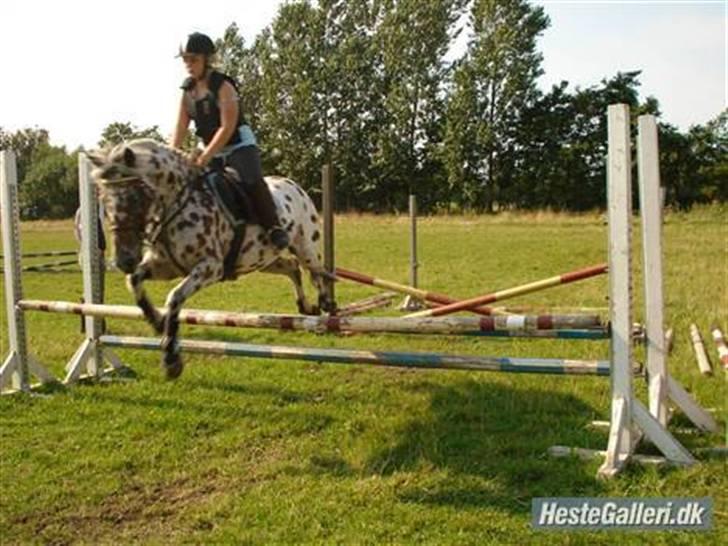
(266, 209)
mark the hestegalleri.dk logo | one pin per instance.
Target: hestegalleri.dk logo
(683, 513)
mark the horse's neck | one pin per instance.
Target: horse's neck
(181, 173)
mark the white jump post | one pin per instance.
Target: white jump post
(19, 365)
(88, 361)
(629, 417)
(661, 385)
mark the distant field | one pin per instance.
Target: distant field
(258, 451)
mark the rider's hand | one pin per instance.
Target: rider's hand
(202, 160)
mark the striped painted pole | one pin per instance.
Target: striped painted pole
(721, 344)
(433, 297)
(570, 326)
(700, 355)
(47, 254)
(380, 358)
(539, 309)
(58, 266)
(566, 278)
(367, 304)
(669, 339)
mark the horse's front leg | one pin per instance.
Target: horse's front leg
(135, 284)
(203, 274)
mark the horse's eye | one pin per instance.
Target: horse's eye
(109, 173)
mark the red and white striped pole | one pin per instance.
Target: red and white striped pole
(471, 303)
(720, 343)
(433, 297)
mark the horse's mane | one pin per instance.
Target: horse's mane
(176, 160)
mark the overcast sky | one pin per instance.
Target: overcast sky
(73, 66)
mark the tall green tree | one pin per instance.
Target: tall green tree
(412, 40)
(493, 84)
(348, 96)
(290, 57)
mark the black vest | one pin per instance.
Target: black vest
(205, 112)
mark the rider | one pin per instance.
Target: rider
(210, 99)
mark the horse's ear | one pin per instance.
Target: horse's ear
(129, 157)
(96, 157)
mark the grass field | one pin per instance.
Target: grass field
(246, 451)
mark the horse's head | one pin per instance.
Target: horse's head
(137, 182)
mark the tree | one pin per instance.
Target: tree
(493, 84)
(23, 142)
(411, 41)
(120, 131)
(50, 186)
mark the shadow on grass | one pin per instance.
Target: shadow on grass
(489, 441)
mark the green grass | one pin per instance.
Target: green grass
(259, 451)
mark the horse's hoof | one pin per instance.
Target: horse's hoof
(173, 366)
(171, 361)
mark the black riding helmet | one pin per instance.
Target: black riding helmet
(198, 43)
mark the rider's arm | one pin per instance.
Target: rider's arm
(228, 103)
(183, 122)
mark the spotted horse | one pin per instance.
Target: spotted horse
(166, 223)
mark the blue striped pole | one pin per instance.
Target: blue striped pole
(381, 358)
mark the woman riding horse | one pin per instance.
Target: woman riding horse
(210, 99)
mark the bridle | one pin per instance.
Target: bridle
(155, 230)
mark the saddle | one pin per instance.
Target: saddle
(237, 206)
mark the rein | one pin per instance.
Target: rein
(158, 227)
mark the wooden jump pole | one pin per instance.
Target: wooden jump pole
(433, 297)
(719, 340)
(699, 348)
(412, 303)
(381, 358)
(540, 325)
(45, 254)
(328, 200)
(465, 305)
(377, 301)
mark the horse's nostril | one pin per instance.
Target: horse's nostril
(125, 263)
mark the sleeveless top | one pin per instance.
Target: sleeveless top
(205, 111)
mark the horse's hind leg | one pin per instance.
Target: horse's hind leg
(290, 267)
(308, 255)
(135, 284)
(203, 274)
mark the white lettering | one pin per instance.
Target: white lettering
(608, 512)
(574, 515)
(623, 515)
(663, 515)
(548, 510)
(683, 515)
(696, 518)
(594, 516)
(561, 514)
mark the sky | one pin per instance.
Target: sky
(72, 66)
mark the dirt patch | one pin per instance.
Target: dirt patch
(132, 513)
